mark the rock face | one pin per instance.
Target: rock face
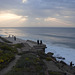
(34, 61)
(35, 46)
(61, 58)
(40, 47)
(50, 54)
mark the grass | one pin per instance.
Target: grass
(20, 45)
(7, 54)
(5, 40)
(42, 54)
(28, 63)
(48, 59)
(6, 47)
(55, 73)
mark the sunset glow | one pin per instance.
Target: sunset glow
(37, 13)
(11, 19)
(24, 1)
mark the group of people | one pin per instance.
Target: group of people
(13, 37)
(39, 42)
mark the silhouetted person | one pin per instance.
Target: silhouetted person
(9, 36)
(14, 38)
(38, 42)
(65, 73)
(71, 63)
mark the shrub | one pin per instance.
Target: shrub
(5, 47)
(42, 54)
(48, 59)
(20, 45)
(1, 52)
(54, 73)
(27, 59)
(1, 60)
(38, 59)
(38, 68)
(6, 54)
(5, 40)
(27, 63)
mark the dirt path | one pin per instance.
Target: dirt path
(9, 67)
(52, 66)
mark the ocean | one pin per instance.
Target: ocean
(60, 41)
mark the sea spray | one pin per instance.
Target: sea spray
(60, 51)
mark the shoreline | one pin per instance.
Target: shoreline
(49, 60)
(18, 40)
(60, 51)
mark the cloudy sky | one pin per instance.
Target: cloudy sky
(37, 13)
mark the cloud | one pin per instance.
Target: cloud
(38, 18)
(43, 11)
(23, 1)
(8, 19)
(59, 21)
(9, 16)
(50, 19)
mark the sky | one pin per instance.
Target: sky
(37, 13)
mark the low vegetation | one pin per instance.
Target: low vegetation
(42, 55)
(28, 64)
(19, 45)
(5, 40)
(7, 54)
(55, 73)
(48, 59)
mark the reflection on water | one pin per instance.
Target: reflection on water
(16, 32)
(64, 36)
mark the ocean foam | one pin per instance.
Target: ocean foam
(59, 51)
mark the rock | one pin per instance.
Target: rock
(50, 54)
(63, 62)
(61, 58)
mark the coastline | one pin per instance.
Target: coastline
(48, 58)
(36, 33)
(64, 52)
